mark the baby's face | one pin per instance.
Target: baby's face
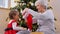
(16, 16)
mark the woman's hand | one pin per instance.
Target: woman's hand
(24, 11)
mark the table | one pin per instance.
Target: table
(37, 33)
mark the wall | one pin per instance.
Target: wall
(3, 15)
(56, 9)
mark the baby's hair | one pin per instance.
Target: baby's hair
(12, 13)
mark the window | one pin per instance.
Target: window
(4, 3)
(13, 4)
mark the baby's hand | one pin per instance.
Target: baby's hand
(24, 28)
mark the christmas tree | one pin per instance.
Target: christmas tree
(22, 4)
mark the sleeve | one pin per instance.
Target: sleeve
(33, 13)
(47, 15)
(50, 15)
(16, 27)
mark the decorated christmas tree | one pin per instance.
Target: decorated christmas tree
(22, 4)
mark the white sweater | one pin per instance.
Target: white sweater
(46, 19)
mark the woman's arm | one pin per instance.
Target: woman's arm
(16, 27)
(27, 10)
(47, 15)
(33, 13)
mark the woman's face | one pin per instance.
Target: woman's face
(16, 17)
(39, 7)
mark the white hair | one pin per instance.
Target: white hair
(42, 2)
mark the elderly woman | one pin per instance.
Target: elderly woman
(44, 17)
